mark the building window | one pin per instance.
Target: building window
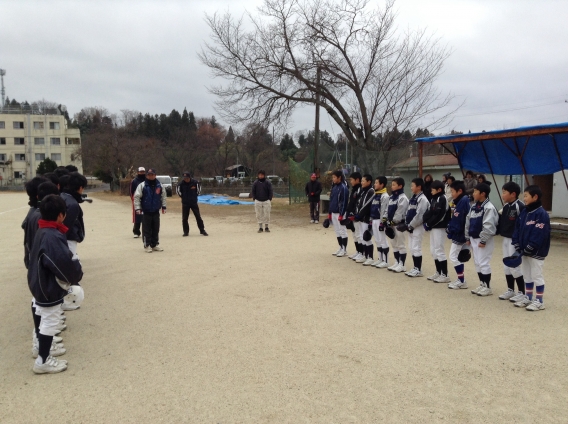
(55, 141)
(2, 125)
(2, 141)
(73, 141)
(56, 156)
(2, 157)
(38, 141)
(40, 156)
(18, 174)
(54, 125)
(20, 157)
(19, 141)
(18, 125)
(38, 125)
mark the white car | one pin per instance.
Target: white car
(166, 182)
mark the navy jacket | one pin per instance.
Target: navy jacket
(150, 198)
(338, 198)
(188, 191)
(417, 206)
(398, 205)
(532, 232)
(52, 268)
(482, 221)
(313, 187)
(508, 218)
(456, 227)
(74, 217)
(30, 228)
(262, 190)
(379, 205)
(353, 199)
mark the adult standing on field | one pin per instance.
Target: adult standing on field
(149, 198)
(188, 189)
(313, 191)
(137, 219)
(262, 196)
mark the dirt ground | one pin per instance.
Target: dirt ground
(241, 327)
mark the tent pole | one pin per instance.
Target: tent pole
(420, 159)
(491, 169)
(520, 156)
(559, 159)
(457, 156)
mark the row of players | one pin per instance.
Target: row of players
(53, 228)
(525, 228)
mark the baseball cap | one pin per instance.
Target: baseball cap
(186, 174)
(151, 171)
(141, 169)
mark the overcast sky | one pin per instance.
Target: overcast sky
(509, 60)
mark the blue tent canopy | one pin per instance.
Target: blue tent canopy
(539, 150)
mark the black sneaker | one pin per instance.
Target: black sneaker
(185, 234)
(267, 230)
(204, 233)
(260, 230)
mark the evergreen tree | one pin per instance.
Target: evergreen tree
(185, 118)
(45, 166)
(192, 122)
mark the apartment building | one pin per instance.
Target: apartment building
(27, 138)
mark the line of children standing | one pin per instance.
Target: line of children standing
(525, 231)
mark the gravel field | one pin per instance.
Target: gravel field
(241, 327)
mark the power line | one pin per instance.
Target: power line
(511, 110)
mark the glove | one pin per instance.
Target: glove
(381, 227)
(312, 193)
(410, 229)
(351, 218)
(329, 216)
(426, 227)
(138, 212)
(402, 227)
(163, 210)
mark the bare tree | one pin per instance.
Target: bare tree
(372, 77)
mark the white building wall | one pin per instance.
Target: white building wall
(559, 196)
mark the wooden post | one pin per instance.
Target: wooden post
(420, 158)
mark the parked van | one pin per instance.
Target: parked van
(166, 182)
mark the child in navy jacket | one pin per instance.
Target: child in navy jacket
(337, 209)
(456, 231)
(532, 239)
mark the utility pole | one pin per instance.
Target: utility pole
(273, 147)
(3, 90)
(317, 135)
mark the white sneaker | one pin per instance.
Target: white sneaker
(383, 264)
(337, 253)
(316, 222)
(485, 291)
(399, 268)
(56, 349)
(535, 305)
(61, 326)
(415, 272)
(342, 253)
(442, 279)
(433, 277)
(478, 289)
(136, 236)
(148, 249)
(517, 297)
(353, 255)
(456, 285)
(50, 366)
(312, 221)
(376, 263)
(524, 302)
(393, 266)
(508, 295)
(368, 262)
(361, 259)
(157, 249)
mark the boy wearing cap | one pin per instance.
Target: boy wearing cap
(149, 198)
(137, 219)
(480, 230)
(313, 191)
(188, 189)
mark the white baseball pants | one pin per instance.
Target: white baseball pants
(508, 250)
(454, 252)
(397, 242)
(482, 255)
(262, 210)
(437, 240)
(415, 241)
(532, 270)
(380, 236)
(50, 317)
(359, 230)
(340, 230)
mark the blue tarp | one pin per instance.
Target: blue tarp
(539, 150)
(211, 199)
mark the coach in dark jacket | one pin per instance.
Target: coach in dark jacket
(137, 219)
(313, 191)
(262, 195)
(188, 189)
